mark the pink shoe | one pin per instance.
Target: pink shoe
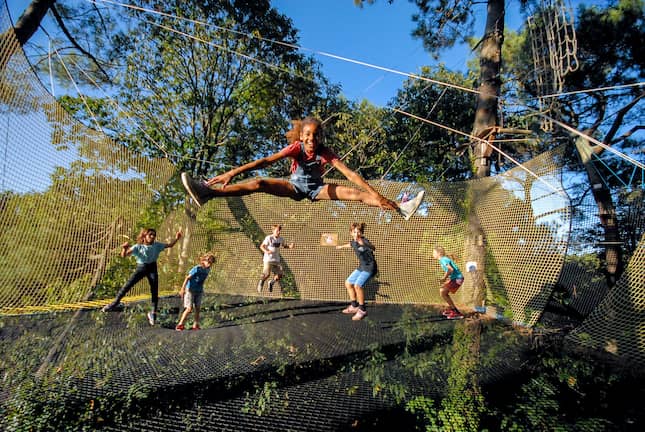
(454, 315)
(359, 315)
(447, 312)
(196, 327)
(350, 309)
(180, 327)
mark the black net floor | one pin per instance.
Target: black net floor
(254, 365)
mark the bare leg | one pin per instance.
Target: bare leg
(350, 291)
(345, 193)
(184, 315)
(360, 294)
(201, 193)
(196, 315)
(445, 294)
(277, 187)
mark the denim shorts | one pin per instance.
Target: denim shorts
(193, 298)
(359, 277)
(305, 188)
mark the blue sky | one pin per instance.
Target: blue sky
(378, 34)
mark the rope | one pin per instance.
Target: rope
(475, 138)
(87, 107)
(413, 76)
(616, 87)
(289, 45)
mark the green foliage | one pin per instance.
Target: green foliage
(260, 402)
(565, 391)
(424, 152)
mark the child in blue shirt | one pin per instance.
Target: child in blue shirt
(367, 268)
(146, 252)
(451, 281)
(192, 290)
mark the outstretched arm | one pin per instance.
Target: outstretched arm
(355, 178)
(225, 178)
(177, 237)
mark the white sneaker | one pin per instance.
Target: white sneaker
(260, 285)
(408, 208)
(359, 315)
(198, 191)
(350, 309)
(151, 318)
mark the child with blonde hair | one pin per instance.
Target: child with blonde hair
(451, 281)
(192, 290)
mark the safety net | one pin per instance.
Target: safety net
(70, 196)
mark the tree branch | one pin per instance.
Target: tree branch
(61, 23)
(627, 134)
(620, 116)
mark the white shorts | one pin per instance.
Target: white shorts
(271, 266)
(193, 299)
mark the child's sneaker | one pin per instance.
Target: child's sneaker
(196, 327)
(271, 282)
(112, 307)
(151, 318)
(260, 285)
(447, 312)
(359, 315)
(350, 309)
(180, 327)
(408, 208)
(198, 191)
(454, 314)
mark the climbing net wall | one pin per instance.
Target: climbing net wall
(71, 195)
(554, 48)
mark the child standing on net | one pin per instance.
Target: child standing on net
(366, 269)
(451, 281)
(192, 290)
(146, 252)
(309, 157)
(271, 260)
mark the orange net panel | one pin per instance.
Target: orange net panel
(617, 324)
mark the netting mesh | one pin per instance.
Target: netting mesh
(617, 325)
(554, 49)
(70, 195)
(74, 194)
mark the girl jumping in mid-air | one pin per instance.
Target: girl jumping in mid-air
(358, 278)
(451, 281)
(309, 157)
(146, 252)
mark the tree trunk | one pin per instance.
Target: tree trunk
(606, 213)
(490, 62)
(26, 26)
(485, 118)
